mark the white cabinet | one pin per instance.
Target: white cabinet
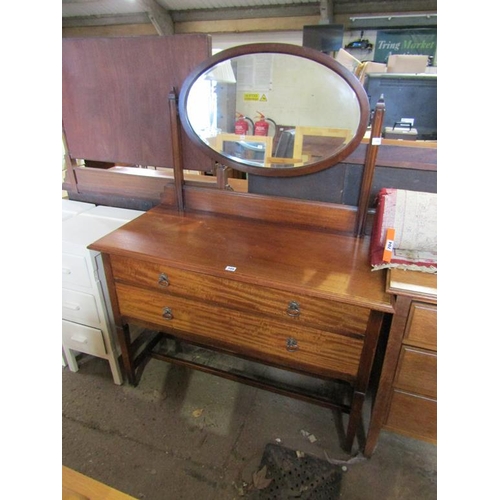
(87, 324)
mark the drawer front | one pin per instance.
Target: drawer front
(421, 330)
(322, 313)
(83, 339)
(413, 416)
(263, 338)
(417, 372)
(79, 307)
(75, 270)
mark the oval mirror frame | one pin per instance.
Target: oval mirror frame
(277, 48)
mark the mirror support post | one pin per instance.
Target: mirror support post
(222, 175)
(176, 150)
(369, 167)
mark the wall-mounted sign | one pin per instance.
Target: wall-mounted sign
(405, 41)
(247, 96)
(250, 96)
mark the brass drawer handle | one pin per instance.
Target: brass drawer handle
(167, 313)
(293, 309)
(291, 344)
(163, 280)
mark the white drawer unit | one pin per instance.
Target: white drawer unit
(70, 208)
(87, 324)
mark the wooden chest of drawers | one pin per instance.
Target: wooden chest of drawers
(406, 402)
(413, 407)
(245, 288)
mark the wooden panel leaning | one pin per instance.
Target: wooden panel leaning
(115, 108)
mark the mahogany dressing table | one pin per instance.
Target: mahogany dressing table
(280, 281)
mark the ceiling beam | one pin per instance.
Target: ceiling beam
(159, 17)
(326, 11)
(384, 6)
(247, 25)
(298, 10)
(105, 20)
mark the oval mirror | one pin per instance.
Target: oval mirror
(274, 109)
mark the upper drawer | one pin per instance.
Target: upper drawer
(326, 314)
(79, 307)
(282, 342)
(421, 329)
(75, 270)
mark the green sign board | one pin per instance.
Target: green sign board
(404, 41)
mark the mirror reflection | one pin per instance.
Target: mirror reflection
(273, 110)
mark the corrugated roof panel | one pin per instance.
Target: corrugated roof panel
(101, 7)
(112, 7)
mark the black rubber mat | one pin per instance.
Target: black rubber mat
(304, 477)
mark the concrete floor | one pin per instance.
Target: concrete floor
(183, 434)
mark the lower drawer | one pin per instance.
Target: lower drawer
(413, 416)
(83, 339)
(279, 342)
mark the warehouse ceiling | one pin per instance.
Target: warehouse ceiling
(173, 12)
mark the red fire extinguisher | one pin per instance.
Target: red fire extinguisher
(241, 125)
(262, 125)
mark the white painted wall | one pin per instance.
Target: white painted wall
(222, 41)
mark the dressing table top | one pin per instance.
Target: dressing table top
(300, 260)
